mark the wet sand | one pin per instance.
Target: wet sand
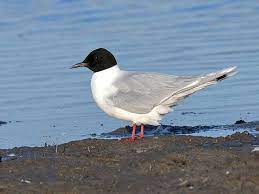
(160, 164)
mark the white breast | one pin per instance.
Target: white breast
(101, 85)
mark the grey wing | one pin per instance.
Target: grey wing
(141, 92)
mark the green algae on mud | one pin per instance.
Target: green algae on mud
(160, 164)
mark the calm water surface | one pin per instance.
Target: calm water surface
(40, 40)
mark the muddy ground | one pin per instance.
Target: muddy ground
(160, 164)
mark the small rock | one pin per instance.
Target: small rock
(25, 181)
(256, 149)
(227, 172)
(183, 183)
(188, 113)
(138, 151)
(240, 122)
(121, 131)
(11, 155)
(3, 123)
(257, 128)
(205, 180)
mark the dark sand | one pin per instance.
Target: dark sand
(162, 164)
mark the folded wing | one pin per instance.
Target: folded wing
(141, 92)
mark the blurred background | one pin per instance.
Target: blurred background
(42, 99)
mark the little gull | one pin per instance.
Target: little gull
(140, 97)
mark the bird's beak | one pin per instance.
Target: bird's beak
(79, 65)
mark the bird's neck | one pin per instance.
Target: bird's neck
(108, 74)
(112, 70)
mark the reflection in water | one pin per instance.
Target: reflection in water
(41, 40)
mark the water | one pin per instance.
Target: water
(40, 40)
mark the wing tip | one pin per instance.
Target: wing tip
(227, 73)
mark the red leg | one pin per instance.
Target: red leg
(141, 131)
(133, 132)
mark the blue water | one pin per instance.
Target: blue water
(41, 39)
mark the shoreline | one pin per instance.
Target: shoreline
(8, 142)
(164, 164)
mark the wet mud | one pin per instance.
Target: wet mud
(158, 164)
(238, 126)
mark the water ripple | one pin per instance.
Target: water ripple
(40, 40)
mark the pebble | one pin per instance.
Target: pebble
(11, 155)
(3, 122)
(25, 181)
(138, 151)
(240, 122)
(183, 183)
(256, 149)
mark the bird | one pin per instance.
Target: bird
(142, 98)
